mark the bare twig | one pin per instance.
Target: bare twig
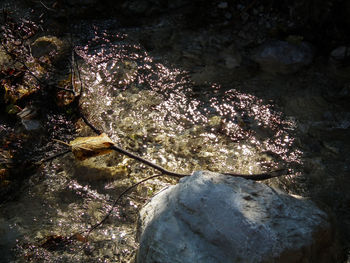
(72, 74)
(54, 156)
(117, 200)
(48, 8)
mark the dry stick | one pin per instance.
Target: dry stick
(72, 73)
(48, 8)
(72, 70)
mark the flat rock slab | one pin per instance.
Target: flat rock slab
(210, 217)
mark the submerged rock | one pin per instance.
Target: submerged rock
(27, 116)
(283, 57)
(46, 45)
(210, 217)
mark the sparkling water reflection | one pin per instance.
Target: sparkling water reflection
(153, 110)
(156, 111)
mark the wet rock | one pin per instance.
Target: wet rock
(283, 57)
(27, 116)
(31, 125)
(209, 217)
(46, 46)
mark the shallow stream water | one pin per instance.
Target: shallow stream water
(153, 107)
(154, 111)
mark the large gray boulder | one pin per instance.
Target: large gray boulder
(209, 217)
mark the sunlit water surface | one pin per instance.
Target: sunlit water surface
(155, 111)
(152, 109)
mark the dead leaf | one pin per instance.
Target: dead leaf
(86, 147)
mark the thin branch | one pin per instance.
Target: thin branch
(54, 156)
(88, 123)
(117, 200)
(72, 73)
(75, 64)
(259, 177)
(48, 8)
